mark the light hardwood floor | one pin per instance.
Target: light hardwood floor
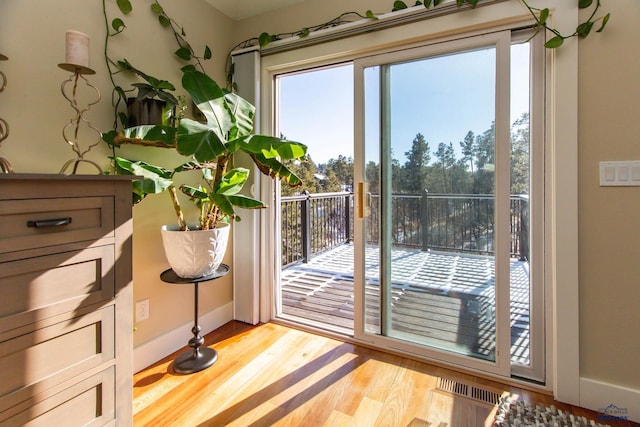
(275, 375)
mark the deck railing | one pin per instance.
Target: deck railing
(448, 222)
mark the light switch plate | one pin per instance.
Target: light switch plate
(623, 173)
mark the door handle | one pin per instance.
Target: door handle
(364, 200)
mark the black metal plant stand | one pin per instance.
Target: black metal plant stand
(198, 358)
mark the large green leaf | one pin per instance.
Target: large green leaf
(275, 169)
(224, 204)
(232, 181)
(198, 195)
(227, 203)
(269, 147)
(155, 179)
(244, 113)
(163, 134)
(199, 140)
(194, 166)
(245, 202)
(210, 100)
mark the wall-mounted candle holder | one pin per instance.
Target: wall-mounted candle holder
(77, 62)
(5, 166)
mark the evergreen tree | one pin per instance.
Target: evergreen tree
(307, 172)
(342, 169)
(520, 138)
(483, 182)
(414, 173)
(331, 183)
(467, 148)
(446, 159)
(372, 175)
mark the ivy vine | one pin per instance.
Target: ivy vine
(159, 87)
(540, 16)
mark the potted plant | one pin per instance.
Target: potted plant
(209, 148)
(153, 104)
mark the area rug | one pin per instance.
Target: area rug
(512, 413)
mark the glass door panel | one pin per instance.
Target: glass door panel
(435, 191)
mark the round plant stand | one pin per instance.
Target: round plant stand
(198, 358)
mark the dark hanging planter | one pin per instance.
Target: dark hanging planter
(149, 111)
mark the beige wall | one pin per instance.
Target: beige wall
(33, 37)
(305, 13)
(609, 87)
(609, 129)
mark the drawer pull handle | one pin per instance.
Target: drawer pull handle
(57, 222)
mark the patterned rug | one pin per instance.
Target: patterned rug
(513, 413)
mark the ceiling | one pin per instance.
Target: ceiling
(241, 9)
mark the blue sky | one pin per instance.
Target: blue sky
(316, 108)
(442, 98)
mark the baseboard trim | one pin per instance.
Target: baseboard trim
(150, 352)
(598, 396)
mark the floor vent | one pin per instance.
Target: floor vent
(469, 391)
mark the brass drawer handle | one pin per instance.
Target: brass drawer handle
(57, 222)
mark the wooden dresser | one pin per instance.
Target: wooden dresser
(65, 300)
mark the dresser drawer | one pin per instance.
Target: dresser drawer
(87, 403)
(35, 362)
(35, 289)
(35, 223)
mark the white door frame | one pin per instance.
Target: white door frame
(561, 134)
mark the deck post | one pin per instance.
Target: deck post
(305, 223)
(524, 229)
(424, 219)
(347, 217)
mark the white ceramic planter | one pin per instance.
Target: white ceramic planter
(195, 253)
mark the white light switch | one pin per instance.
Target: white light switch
(625, 173)
(609, 173)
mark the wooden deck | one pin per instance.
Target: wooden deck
(441, 299)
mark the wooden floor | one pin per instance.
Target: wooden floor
(274, 375)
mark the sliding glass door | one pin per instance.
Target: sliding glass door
(427, 238)
(433, 225)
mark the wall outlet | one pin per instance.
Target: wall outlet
(142, 310)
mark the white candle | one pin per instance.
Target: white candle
(77, 48)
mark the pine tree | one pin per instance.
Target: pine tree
(520, 138)
(467, 147)
(415, 170)
(342, 169)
